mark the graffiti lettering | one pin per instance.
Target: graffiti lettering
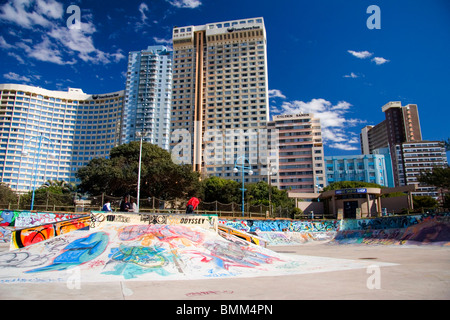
(192, 220)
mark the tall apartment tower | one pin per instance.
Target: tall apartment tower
(301, 159)
(148, 96)
(401, 125)
(220, 97)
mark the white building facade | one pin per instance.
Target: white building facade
(49, 135)
(148, 96)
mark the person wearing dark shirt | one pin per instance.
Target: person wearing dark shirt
(125, 205)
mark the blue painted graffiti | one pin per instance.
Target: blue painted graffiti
(78, 252)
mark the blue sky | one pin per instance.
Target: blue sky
(322, 57)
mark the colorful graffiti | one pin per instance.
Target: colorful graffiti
(120, 251)
(385, 230)
(77, 252)
(25, 237)
(281, 225)
(207, 221)
(415, 230)
(11, 220)
(242, 235)
(14, 218)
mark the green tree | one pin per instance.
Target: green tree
(447, 144)
(258, 194)
(118, 175)
(424, 202)
(350, 184)
(51, 193)
(438, 177)
(221, 190)
(7, 195)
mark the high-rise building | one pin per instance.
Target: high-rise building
(220, 96)
(401, 125)
(300, 153)
(148, 96)
(419, 156)
(49, 135)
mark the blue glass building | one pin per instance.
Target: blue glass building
(374, 168)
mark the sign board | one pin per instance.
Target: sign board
(207, 221)
(350, 191)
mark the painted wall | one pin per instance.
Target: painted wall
(27, 236)
(11, 220)
(412, 229)
(249, 225)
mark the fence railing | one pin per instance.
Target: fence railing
(155, 205)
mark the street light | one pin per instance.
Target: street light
(141, 135)
(270, 172)
(243, 167)
(25, 153)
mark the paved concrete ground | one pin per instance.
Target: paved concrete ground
(422, 273)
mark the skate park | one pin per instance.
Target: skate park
(117, 256)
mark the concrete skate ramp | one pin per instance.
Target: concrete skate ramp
(420, 229)
(426, 229)
(152, 247)
(22, 227)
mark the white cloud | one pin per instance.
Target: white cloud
(275, 93)
(161, 40)
(3, 44)
(379, 60)
(142, 9)
(343, 146)
(191, 4)
(44, 51)
(360, 54)
(28, 13)
(351, 75)
(15, 77)
(59, 43)
(17, 57)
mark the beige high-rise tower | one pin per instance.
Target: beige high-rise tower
(220, 101)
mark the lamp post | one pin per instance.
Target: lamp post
(270, 172)
(141, 135)
(40, 139)
(243, 167)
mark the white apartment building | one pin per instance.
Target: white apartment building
(220, 104)
(420, 156)
(148, 96)
(49, 135)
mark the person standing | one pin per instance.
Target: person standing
(125, 205)
(192, 205)
(133, 206)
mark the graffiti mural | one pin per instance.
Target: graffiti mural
(208, 221)
(121, 251)
(77, 252)
(281, 225)
(28, 236)
(416, 230)
(11, 220)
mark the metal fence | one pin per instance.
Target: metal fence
(153, 205)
